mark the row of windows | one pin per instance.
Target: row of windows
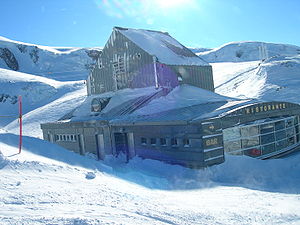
(174, 142)
(66, 137)
(261, 139)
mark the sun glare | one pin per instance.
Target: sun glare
(170, 3)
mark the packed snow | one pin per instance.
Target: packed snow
(47, 184)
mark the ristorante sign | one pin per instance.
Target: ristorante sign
(266, 107)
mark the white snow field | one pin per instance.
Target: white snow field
(47, 184)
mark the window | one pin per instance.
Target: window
(163, 142)
(250, 142)
(186, 142)
(273, 134)
(56, 137)
(279, 125)
(231, 146)
(281, 144)
(174, 142)
(153, 141)
(267, 138)
(266, 128)
(249, 131)
(143, 141)
(280, 135)
(231, 133)
(266, 149)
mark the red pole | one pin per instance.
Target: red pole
(20, 120)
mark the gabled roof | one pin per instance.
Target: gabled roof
(163, 46)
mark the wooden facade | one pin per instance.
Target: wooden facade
(123, 64)
(194, 143)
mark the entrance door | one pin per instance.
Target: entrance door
(121, 143)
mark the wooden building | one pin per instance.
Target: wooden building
(169, 113)
(135, 58)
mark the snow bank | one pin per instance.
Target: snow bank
(47, 184)
(275, 175)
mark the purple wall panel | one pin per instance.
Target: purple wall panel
(145, 77)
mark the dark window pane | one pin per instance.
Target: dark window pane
(186, 142)
(290, 132)
(281, 144)
(280, 135)
(266, 149)
(291, 141)
(163, 141)
(153, 141)
(266, 128)
(143, 141)
(280, 125)
(174, 142)
(289, 122)
(267, 138)
(296, 120)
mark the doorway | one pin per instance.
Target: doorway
(121, 143)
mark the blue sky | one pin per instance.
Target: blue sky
(196, 23)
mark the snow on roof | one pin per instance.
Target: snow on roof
(180, 97)
(117, 98)
(163, 46)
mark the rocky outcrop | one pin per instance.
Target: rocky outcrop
(34, 54)
(6, 97)
(9, 59)
(93, 53)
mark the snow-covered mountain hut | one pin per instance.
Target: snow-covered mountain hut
(156, 101)
(136, 58)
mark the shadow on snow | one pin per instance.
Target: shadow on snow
(275, 175)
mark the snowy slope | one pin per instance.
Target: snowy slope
(36, 92)
(47, 184)
(64, 64)
(248, 51)
(276, 78)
